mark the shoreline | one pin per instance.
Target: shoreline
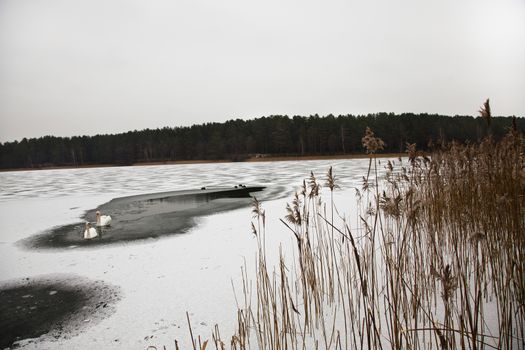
(206, 161)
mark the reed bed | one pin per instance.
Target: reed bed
(434, 257)
(437, 259)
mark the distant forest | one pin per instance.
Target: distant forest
(239, 139)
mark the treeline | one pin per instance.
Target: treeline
(239, 139)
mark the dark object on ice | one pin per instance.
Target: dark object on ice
(203, 188)
(56, 305)
(145, 216)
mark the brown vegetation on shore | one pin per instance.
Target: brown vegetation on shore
(437, 259)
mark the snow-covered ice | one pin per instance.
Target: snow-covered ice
(162, 278)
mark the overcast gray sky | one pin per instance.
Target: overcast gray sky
(104, 66)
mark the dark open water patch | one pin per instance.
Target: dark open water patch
(52, 306)
(145, 216)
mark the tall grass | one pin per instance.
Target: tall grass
(437, 259)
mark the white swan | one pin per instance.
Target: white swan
(103, 220)
(90, 232)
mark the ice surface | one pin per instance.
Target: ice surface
(160, 279)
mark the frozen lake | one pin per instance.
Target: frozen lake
(160, 278)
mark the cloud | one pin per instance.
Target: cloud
(88, 67)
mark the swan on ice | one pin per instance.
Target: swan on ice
(90, 232)
(103, 220)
